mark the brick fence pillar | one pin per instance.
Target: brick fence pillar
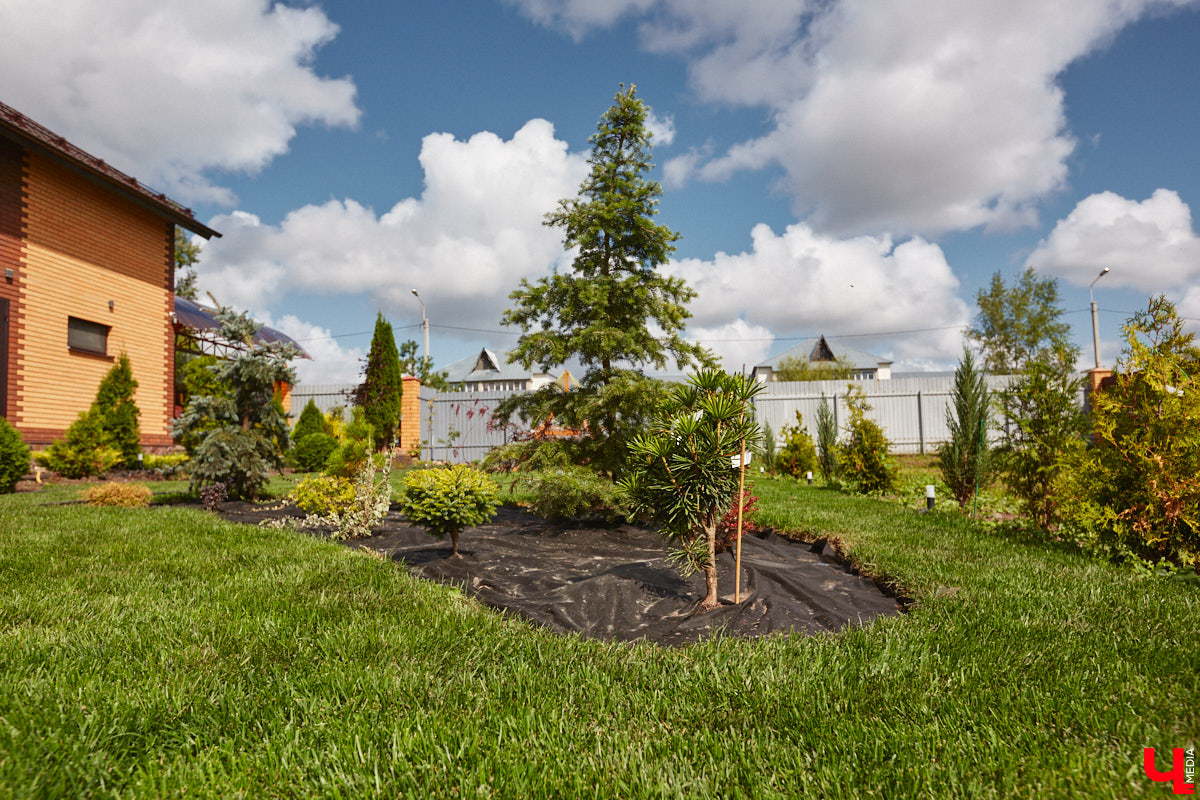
(410, 415)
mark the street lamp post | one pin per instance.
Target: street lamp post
(425, 321)
(1095, 320)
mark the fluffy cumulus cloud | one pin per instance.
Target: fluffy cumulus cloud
(168, 90)
(738, 344)
(801, 282)
(1148, 245)
(329, 361)
(906, 116)
(463, 244)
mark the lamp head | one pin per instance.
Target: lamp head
(1104, 271)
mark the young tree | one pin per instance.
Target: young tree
(827, 434)
(380, 393)
(1136, 492)
(118, 412)
(241, 424)
(601, 313)
(445, 501)
(1019, 323)
(311, 421)
(864, 457)
(421, 368)
(966, 458)
(798, 454)
(679, 469)
(187, 254)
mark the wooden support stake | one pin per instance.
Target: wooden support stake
(737, 569)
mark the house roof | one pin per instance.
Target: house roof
(489, 365)
(820, 348)
(201, 323)
(17, 127)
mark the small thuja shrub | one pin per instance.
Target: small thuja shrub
(121, 495)
(798, 454)
(14, 456)
(864, 458)
(966, 459)
(569, 491)
(827, 434)
(118, 412)
(312, 451)
(83, 451)
(311, 420)
(445, 501)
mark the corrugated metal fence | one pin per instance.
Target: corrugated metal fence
(457, 427)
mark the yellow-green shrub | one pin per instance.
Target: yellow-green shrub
(122, 495)
(324, 495)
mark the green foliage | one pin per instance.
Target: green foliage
(445, 501)
(966, 459)
(198, 376)
(118, 411)
(801, 369)
(863, 459)
(312, 452)
(529, 455)
(567, 492)
(421, 368)
(372, 499)
(240, 430)
(798, 454)
(323, 495)
(166, 463)
(1019, 323)
(311, 421)
(379, 395)
(827, 434)
(118, 495)
(1136, 492)
(14, 456)
(613, 312)
(187, 253)
(768, 446)
(83, 451)
(679, 469)
(356, 445)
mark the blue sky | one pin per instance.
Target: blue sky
(833, 167)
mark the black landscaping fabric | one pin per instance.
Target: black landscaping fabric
(616, 583)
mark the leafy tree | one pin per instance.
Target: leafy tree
(445, 501)
(379, 395)
(966, 458)
(827, 434)
(187, 253)
(798, 454)
(679, 468)
(864, 457)
(421, 368)
(240, 425)
(1019, 323)
(602, 312)
(118, 412)
(1136, 492)
(801, 369)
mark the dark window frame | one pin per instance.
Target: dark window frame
(85, 327)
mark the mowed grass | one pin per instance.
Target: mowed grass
(165, 653)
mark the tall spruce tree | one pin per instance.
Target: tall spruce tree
(602, 311)
(380, 392)
(966, 458)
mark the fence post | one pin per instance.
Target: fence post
(920, 423)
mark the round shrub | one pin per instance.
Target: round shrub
(312, 451)
(120, 495)
(569, 491)
(323, 495)
(14, 456)
(444, 501)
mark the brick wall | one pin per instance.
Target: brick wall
(12, 250)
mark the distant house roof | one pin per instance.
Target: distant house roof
(201, 323)
(17, 127)
(821, 349)
(489, 365)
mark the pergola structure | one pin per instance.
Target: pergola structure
(197, 331)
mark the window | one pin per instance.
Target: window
(90, 337)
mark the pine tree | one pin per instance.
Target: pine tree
(380, 392)
(602, 311)
(966, 458)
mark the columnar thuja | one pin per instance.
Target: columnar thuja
(681, 469)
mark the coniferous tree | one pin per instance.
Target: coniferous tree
(379, 394)
(827, 434)
(118, 412)
(601, 312)
(311, 421)
(966, 458)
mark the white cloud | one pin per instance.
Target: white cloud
(168, 90)
(330, 362)
(464, 244)
(1148, 245)
(662, 128)
(908, 116)
(736, 344)
(801, 282)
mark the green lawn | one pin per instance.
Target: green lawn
(164, 653)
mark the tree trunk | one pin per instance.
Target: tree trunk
(710, 566)
(454, 542)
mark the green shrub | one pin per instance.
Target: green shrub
(357, 443)
(166, 463)
(798, 454)
(14, 456)
(118, 411)
(864, 458)
(827, 433)
(120, 495)
(238, 458)
(311, 421)
(444, 501)
(529, 455)
(379, 395)
(570, 491)
(312, 451)
(83, 451)
(323, 495)
(966, 459)
(372, 499)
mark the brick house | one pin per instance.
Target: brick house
(87, 271)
